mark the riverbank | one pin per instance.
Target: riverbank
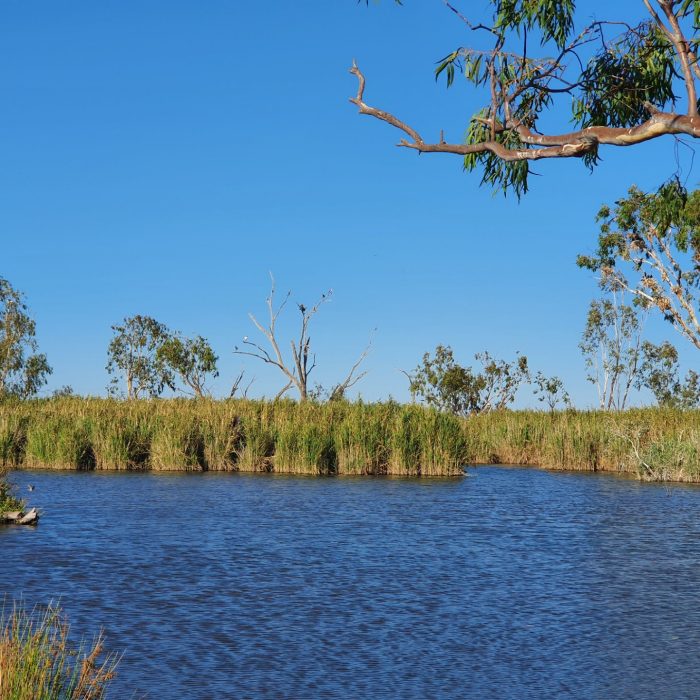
(340, 438)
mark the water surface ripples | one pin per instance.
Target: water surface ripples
(511, 583)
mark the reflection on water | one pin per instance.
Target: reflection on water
(511, 583)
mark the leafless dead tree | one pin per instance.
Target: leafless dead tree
(303, 360)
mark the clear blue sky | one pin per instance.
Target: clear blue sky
(161, 157)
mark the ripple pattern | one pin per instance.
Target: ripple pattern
(511, 583)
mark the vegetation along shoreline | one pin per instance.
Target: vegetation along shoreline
(341, 438)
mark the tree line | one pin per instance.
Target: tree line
(648, 260)
(622, 80)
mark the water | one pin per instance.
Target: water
(511, 583)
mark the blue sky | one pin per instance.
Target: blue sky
(160, 158)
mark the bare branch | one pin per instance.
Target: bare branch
(236, 384)
(351, 379)
(283, 391)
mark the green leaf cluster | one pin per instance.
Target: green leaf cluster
(553, 18)
(149, 357)
(617, 82)
(23, 370)
(133, 354)
(440, 381)
(496, 172)
(659, 373)
(650, 243)
(191, 359)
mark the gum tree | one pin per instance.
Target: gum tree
(623, 80)
(192, 360)
(659, 373)
(649, 245)
(440, 381)
(550, 390)
(133, 357)
(611, 345)
(23, 371)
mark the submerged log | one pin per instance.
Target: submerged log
(31, 517)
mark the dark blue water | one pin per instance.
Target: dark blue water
(511, 583)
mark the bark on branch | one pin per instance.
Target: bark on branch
(575, 144)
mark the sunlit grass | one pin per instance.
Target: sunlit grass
(335, 438)
(37, 661)
(667, 441)
(340, 438)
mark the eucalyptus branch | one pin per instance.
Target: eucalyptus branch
(574, 144)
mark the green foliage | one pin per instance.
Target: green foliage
(176, 443)
(590, 440)
(659, 373)
(611, 347)
(363, 439)
(448, 386)
(8, 500)
(637, 68)
(501, 175)
(649, 244)
(133, 353)
(550, 390)
(302, 446)
(605, 73)
(282, 436)
(23, 371)
(60, 441)
(553, 18)
(13, 431)
(191, 359)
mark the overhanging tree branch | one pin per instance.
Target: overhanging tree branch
(574, 144)
(623, 91)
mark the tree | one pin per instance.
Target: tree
(659, 373)
(649, 245)
(23, 371)
(620, 79)
(133, 353)
(303, 360)
(551, 390)
(191, 359)
(440, 381)
(611, 345)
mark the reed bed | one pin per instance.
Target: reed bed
(340, 438)
(38, 663)
(651, 443)
(335, 438)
